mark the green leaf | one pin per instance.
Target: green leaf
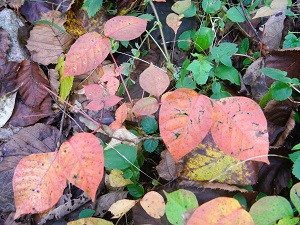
(235, 14)
(223, 52)
(150, 145)
(136, 190)
(187, 82)
(296, 147)
(149, 125)
(149, 17)
(295, 197)
(288, 221)
(120, 157)
(270, 209)
(86, 213)
(276, 74)
(296, 168)
(92, 6)
(185, 39)
(294, 156)
(228, 73)
(190, 12)
(265, 99)
(241, 199)
(65, 87)
(203, 38)
(218, 91)
(200, 70)
(291, 41)
(178, 202)
(280, 91)
(211, 6)
(244, 46)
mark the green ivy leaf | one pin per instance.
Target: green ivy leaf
(179, 202)
(211, 6)
(185, 39)
(270, 209)
(86, 213)
(235, 14)
(120, 157)
(92, 6)
(296, 147)
(150, 145)
(190, 12)
(223, 52)
(187, 82)
(136, 190)
(200, 69)
(203, 38)
(228, 73)
(280, 91)
(149, 125)
(276, 74)
(291, 41)
(218, 91)
(294, 156)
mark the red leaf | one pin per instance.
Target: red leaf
(125, 28)
(121, 114)
(86, 54)
(154, 80)
(185, 118)
(240, 128)
(38, 183)
(145, 106)
(93, 91)
(82, 161)
(111, 100)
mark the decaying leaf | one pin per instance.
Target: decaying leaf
(181, 6)
(167, 167)
(145, 106)
(121, 207)
(38, 183)
(4, 42)
(47, 43)
(173, 21)
(90, 221)
(121, 114)
(116, 179)
(274, 7)
(208, 163)
(7, 103)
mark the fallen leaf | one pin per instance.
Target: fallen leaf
(125, 28)
(274, 7)
(8, 75)
(38, 183)
(7, 103)
(82, 162)
(116, 179)
(185, 118)
(121, 207)
(239, 128)
(221, 211)
(86, 54)
(166, 168)
(4, 45)
(121, 114)
(47, 43)
(153, 203)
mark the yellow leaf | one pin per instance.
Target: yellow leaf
(121, 207)
(116, 179)
(90, 221)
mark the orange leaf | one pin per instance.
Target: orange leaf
(154, 80)
(221, 211)
(153, 203)
(86, 54)
(121, 114)
(240, 128)
(173, 21)
(145, 106)
(38, 183)
(185, 118)
(82, 161)
(124, 28)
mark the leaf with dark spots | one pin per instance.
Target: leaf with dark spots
(39, 138)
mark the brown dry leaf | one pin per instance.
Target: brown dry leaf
(208, 163)
(47, 43)
(54, 80)
(4, 42)
(273, 30)
(167, 167)
(125, 6)
(280, 117)
(16, 3)
(8, 75)
(121, 207)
